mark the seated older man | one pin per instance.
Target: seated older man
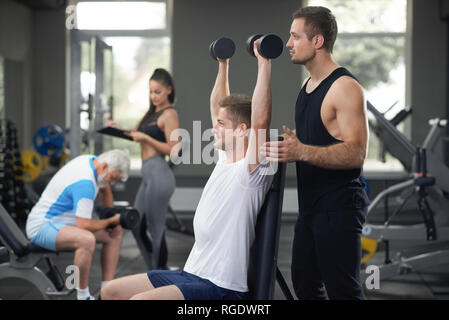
(62, 218)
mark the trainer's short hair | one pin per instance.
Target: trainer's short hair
(319, 20)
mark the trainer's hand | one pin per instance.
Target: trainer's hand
(137, 135)
(288, 150)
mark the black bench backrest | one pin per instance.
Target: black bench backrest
(11, 235)
(263, 256)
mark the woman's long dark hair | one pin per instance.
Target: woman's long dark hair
(164, 77)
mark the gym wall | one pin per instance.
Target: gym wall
(428, 67)
(32, 43)
(49, 71)
(16, 49)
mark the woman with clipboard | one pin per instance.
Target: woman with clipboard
(158, 182)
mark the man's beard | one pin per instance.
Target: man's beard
(101, 183)
(219, 146)
(304, 60)
(218, 143)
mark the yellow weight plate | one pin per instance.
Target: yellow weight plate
(32, 166)
(369, 248)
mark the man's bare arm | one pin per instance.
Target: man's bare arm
(260, 110)
(339, 156)
(107, 199)
(96, 225)
(220, 90)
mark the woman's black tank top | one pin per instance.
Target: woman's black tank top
(152, 129)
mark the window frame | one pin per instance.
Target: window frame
(147, 33)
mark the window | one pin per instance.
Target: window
(371, 43)
(87, 81)
(139, 34)
(135, 59)
(108, 15)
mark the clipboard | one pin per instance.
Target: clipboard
(110, 131)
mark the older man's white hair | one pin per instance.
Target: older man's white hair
(117, 160)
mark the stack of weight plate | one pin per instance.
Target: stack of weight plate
(12, 189)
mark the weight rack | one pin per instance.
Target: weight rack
(12, 190)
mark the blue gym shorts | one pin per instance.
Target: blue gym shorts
(192, 286)
(46, 236)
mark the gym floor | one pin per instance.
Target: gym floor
(430, 284)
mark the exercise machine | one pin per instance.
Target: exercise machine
(428, 185)
(23, 258)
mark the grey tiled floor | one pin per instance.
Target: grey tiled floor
(432, 283)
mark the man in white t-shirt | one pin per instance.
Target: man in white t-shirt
(62, 218)
(225, 219)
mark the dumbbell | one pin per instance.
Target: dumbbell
(222, 48)
(129, 217)
(270, 46)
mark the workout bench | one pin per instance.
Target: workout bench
(263, 270)
(24, 257)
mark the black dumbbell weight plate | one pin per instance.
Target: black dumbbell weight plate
(211, 50)
(270, 46)
(130, 218)
(223, 48)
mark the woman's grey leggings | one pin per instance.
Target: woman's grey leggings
(153, 196)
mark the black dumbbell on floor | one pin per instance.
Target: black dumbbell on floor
(270, 46)
(222, 48)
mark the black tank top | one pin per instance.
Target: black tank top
(313, 181)
(151, 128)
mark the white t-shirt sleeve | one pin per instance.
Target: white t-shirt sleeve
(260, 176)
(84, 208)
